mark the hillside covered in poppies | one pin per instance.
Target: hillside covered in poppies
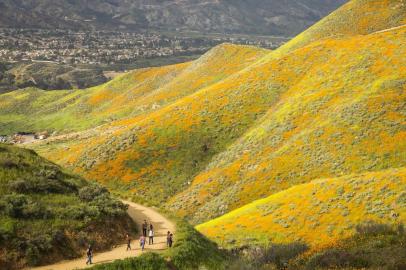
(249, 144)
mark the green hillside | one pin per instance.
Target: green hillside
(47, 214)
(135, 93)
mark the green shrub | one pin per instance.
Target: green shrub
(336, 258)
(7, 229)
(13, 205)
(375, 246)
(21, 206)
(41, 185)
(37, 246)
(89, 193)
(147, 261)
(274, 255)
(372, 228)
(192, 250)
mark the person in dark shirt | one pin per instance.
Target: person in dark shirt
(128, 238)
(89, 254)
(144, 228)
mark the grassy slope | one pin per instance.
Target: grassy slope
(346, 115)
(33, 109)
(306, 134)
(332, 207)
(47, 214)
(138, 92)
(357, 17)
(154, 150)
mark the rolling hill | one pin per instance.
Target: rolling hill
(285, 18)
(325, 114)
(47, 214)
(47, 76)
(333, 207)
(334, 121)
(135, 93)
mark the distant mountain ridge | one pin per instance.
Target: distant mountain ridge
(266, 17)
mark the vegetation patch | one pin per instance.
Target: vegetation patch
(47, 214)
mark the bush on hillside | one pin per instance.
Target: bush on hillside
(192, 250)
(21, 206)
(90, 192)
(335, 258)
(274, 255)
(372, 228)
(41, 185)
(147, 261)
(36, 246)
(374, 245)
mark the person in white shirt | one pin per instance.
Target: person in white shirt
(151, 236)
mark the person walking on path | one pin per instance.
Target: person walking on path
(170, 240)
(151, 236)
(168, 236)
(142, 242)
(144, 228)
(89, 254)
(128, 238)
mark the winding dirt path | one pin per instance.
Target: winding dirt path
(138, 213)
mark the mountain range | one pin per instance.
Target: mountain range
(265, 17)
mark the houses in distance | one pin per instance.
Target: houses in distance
(24, 137)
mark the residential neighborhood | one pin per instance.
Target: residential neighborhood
(24, 137)
(98, 47)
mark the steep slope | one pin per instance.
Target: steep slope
(324, 103)
(47, 214)
(158, 153)
(317, 213)
(135, 93)
(357, 17)
(271, 17)
(345, 115)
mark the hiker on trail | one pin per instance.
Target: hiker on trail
(144, 228)
(142, 242)
(128, 242)
(168, 237)
(89, 254)
(170, 240)
(151, 235)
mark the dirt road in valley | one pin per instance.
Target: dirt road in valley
(138, 213)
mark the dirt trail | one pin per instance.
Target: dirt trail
(389, 29)
(138, 213)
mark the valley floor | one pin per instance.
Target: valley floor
(138, 213)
